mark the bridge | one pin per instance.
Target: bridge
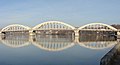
(58, 28)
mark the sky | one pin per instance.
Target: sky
(73, 12)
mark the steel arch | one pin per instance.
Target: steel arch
(52, 22)
(112, 28)
(15, 25)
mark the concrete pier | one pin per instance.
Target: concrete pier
(31, 33)
(76, 33)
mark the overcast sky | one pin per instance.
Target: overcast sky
(74, 12)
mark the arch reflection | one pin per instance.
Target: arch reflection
(15, 41)
(96, 41)
(58, 42)
(98, 44)
(53, 42)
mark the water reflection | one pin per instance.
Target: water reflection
(58, 42)
(98, 44)
(15, 41)
(53, 43)
(96, 41)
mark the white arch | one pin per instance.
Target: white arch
(15, 25)
(37, 26)
(80, 28)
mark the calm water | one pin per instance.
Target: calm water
(54, 50)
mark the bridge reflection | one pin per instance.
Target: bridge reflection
(15, 41)
(58, 42)
(53, 43)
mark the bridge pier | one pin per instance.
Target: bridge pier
(31, 33)
(118, 33)
(76, 36)
(76, 33)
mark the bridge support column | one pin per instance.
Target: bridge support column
(76, 36)
(118, 33)
(31, 32)
(76, 33)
